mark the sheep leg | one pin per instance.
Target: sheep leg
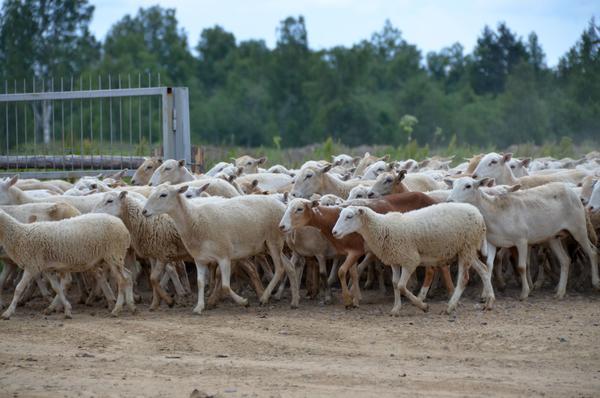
(489, 261)
(356, 296)
(158, 292)
(381, 277)
(183, 276)
(9, 268)
(530, 256)
(58, 288)
(370, 276)
(295, 260)
(225, 267)
(174, 277)
(447, 278)
(429, 274)
(486, 278)
(289, 270)
(250, 270)
(351, 259)
(541, 276)
(124, 284)
(214, 294)
(103, 284)
(404, 278)
(461, 282)
(265, 266)
(397, 295)
(367, 263)
(201, 270)
(41, 285)
(323, 278)
(21, 286)
(564, 260)
(581, 237)
(522, 250)
(333, 273)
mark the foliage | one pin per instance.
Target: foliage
(381, 90)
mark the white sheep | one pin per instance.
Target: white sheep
(330, 200)
(496, 166)
(529, 217)
(249, 163)
(72, 245)
(145, 171)
(359, 192)
(317, 180)
(430, 236)
(233, 229)
(173, 171)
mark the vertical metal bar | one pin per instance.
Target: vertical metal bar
(62, 124)
(52, 108)
(110, 116)
(101, 124)
(6, 120)
(120, 123)
(139, 111)
(33, 104)
(25, 122)
(149, 115)
(71, 129)
(81, 123)
(130, 124)
(16, 129)
(91, 124)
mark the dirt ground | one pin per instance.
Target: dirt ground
(541, 347)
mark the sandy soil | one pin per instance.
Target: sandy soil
(541, 347)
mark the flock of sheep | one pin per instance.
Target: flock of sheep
(351, 215)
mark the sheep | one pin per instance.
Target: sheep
(71, 245)
(358, 192)
(271, 182)
(366, 161)
(279, 169)
(249, 163)
(528, 217)
(330, 200)
(29, 213)
(593, 205)
(36, 185)
(344, 161)
(318, 180)
(173, 171)
(392, 182)
(519, 167)
(495, 166)
(235, 229)
(215, 187)
(429, 236)
(375, 169)
(144, 172)
(217, 168)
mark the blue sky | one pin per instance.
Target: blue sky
(431, 25)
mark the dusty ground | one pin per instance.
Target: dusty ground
(542, 347)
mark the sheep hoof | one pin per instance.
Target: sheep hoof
(115, 313)
(153, 308)
(68, 315)
(47, 311)
(425, 308)
(197, 311)
(489, 304)
(245, 303)
(263, 302)
(133, 309)
(137, 298)
(395, 313)
(559, 295)
(171, 303)
(5, 316)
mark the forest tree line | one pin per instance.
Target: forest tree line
(382, 90)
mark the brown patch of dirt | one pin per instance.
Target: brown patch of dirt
(540, 347)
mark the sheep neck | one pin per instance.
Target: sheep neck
(18, 197)
(183, 217)
(507, 177)
(319, 218)
(9, 229)
(332, 185)
(373, 233)
(131, 214)
(187, 176)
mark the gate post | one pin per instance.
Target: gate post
(176, 124)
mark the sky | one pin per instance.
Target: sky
(431, 25)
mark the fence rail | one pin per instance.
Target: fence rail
(74, 129)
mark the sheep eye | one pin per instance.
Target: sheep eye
(512, 166)
(167, 168)
(163, 195)
(493, 162)
(468, 186)
(349, 216)
(109, 201)
(308, 176)
(149, 168)
(388, 180)
(299, 209)
(248, 164)
(93, 186)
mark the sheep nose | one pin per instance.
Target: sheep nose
(144, 212)
(370, 194)
(282, 228)
(133, 182)
(334, 233)
(474, 176)
(591, 208)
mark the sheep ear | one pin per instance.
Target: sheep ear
(286, 195)
(240, 170)
(424, 162)
(525, 162)
(122, 194)
(385, 158)
(390, 166)
(159, 160)
(183, 189)
(13, 180)
(230, 178)
(314, 203)
(401, 175)
(486, 181)
(506, 157)
(361, 211)
(181, 163)
(262, 160)
(449, 182)
(254, 183)
(367, 154)
(119, 175)
(356, 159)
(99, 176)
(326, 168)
(514, 188)
(203, 188)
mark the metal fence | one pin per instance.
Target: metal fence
(68, 128)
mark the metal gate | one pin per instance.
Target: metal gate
(77, 130)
